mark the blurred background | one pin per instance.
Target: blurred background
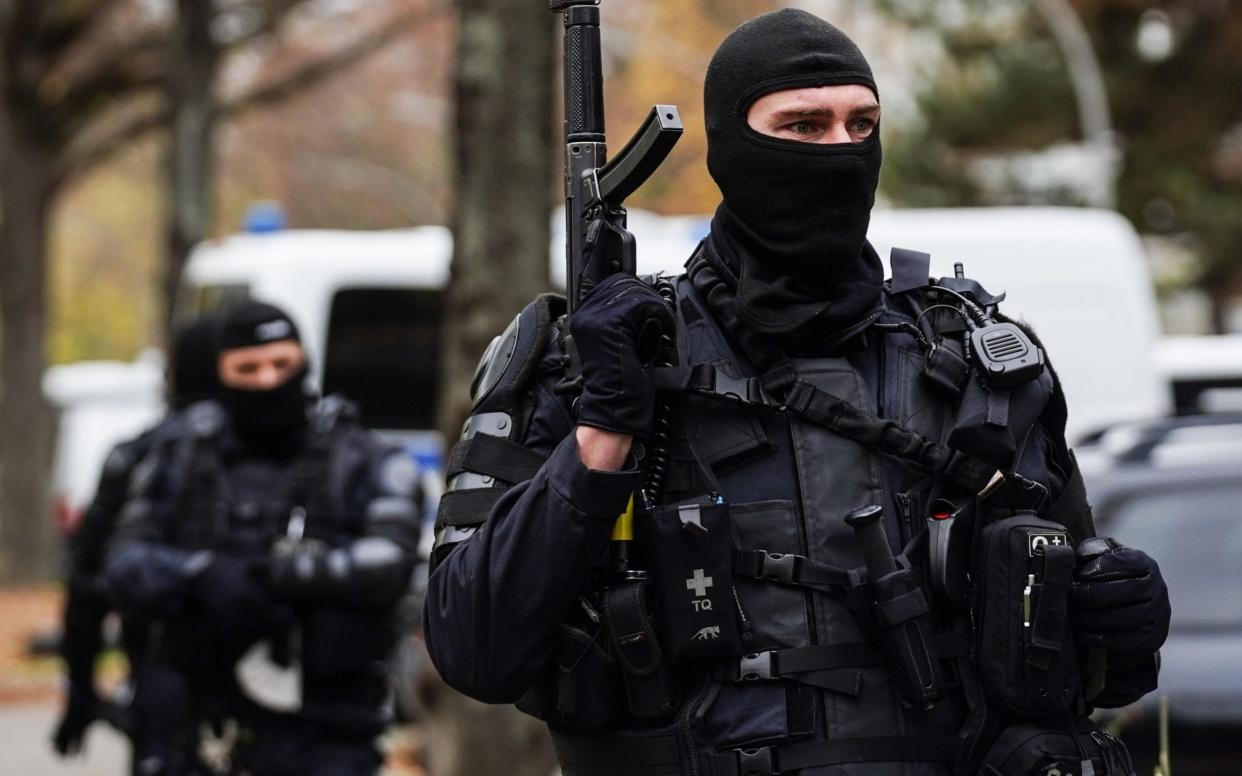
(388, 170)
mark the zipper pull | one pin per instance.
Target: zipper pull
(1026, 600)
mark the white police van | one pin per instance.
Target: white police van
(367, 305)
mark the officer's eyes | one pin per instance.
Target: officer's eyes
(802, 128)
(862, 126)
(247, 369)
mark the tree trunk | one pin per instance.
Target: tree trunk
(506, 154)
(25, 418)
(191, 146)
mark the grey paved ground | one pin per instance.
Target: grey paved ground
(24, 750)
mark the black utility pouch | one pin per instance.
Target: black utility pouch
(1022, 574)
(1074, 747)
(584, 691)
(900, 614)
(693, 551)
(649, 688)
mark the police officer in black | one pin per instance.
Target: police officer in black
(269, 542)
(191, 378)
(852, 547)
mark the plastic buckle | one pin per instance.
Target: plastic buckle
(736, 389)
(755, 762)
(778, 567)
(756, 666)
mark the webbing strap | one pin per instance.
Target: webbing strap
(782, 389)
(493, 456)
(1048, 624)
(828, 666)
(789, 569)
(769, 760)
(617, 756)
(838, 415)
(467, 507)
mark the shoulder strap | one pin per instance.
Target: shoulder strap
(783, 390)
(331, 420)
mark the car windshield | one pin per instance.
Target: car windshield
(1196, 536)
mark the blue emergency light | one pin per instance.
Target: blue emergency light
(264, 217)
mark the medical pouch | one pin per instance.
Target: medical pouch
(1071, 748)
(693, 553)
(1023, 568)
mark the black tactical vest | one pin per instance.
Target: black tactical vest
(804, 684)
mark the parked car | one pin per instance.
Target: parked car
(1174, 489)
(1204, 373)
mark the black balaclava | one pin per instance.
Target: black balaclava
(271, 419)
(793, 222)
(192, 374)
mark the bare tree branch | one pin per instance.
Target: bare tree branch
(115, 71)
(67, 24)
(83, 156)
(316, 71)
(80, 157)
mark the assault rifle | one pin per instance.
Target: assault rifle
(597, 243)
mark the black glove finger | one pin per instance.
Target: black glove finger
(1144, 641)
(650, 340)
(617, 332)
(1121, 563)
(1115, 593)
(1128, 681)
(1137, 629)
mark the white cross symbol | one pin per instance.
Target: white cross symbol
(1056, 540)
(699, 583)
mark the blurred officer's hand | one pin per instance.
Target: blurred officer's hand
(79, 714)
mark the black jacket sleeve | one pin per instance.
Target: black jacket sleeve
(86, 601)
(494, 603)
(144, 572)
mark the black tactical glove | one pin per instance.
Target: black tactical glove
(1119, 600)
(231, 599)
(297, 572)
(80, 712)
(618, 331)
(1129, 678)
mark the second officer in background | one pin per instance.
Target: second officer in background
(271, 540)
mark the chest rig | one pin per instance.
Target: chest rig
(227, 501)
(808, 558)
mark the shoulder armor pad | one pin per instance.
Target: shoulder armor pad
(332, 411)
(508, 365)
(911, 270)
(120, 460)
(204, 420)
(396, 474)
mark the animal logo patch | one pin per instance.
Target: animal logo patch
(707, 634)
